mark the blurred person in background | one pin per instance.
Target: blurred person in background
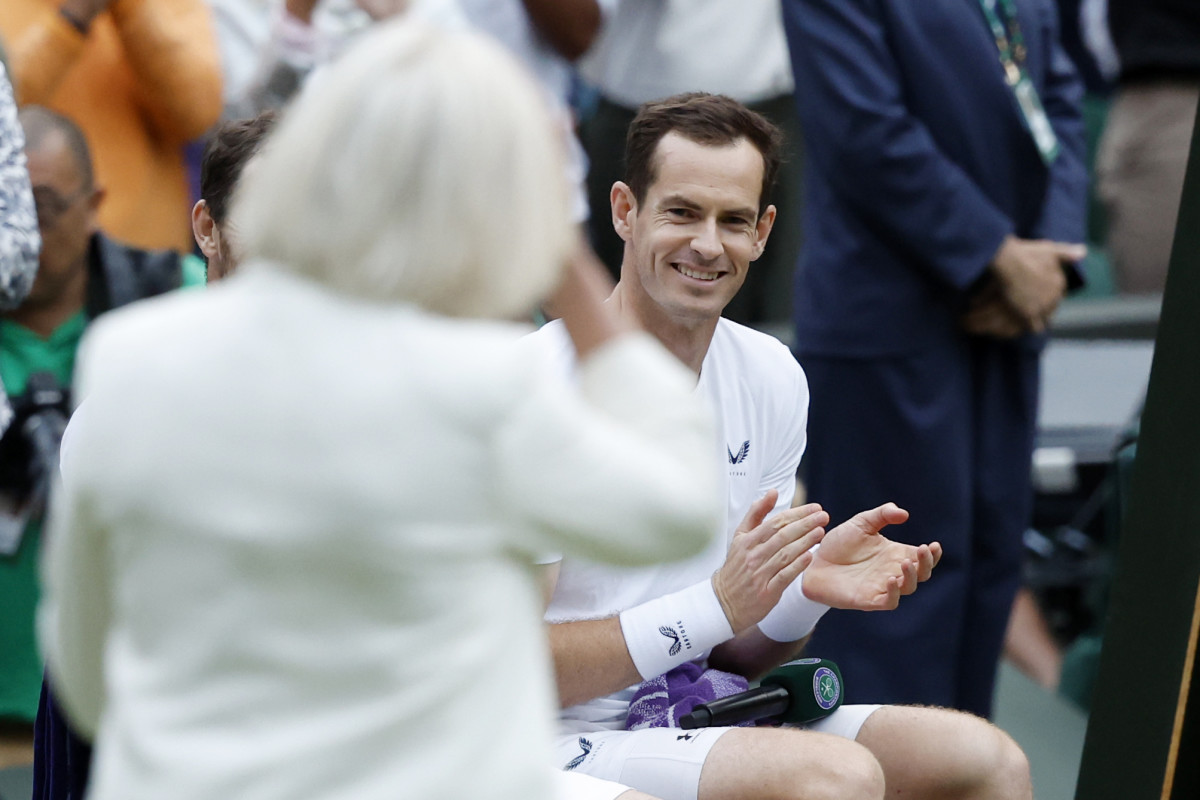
(62, 758)
(229, 150)
(269, 47)
(20, 243)
(141, 78)
(326, 526)
(1147, 137)
(81, 275)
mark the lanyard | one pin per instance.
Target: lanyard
(1007, 32)
(1011, 45)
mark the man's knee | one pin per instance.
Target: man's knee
(1003, 769)
(856, 774)
(784, 764)
(943, 753)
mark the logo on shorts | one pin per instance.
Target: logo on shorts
(826, 688)
(586, 747)
(670, 633)
(740, 455)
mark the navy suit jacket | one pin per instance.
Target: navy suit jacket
(919, 164)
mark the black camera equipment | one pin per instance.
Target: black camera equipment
(29, 455)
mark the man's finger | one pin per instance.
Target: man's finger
(796, 540)
(875, 519)
(783, 524)
(1067, 251)
(791, 569)
(996, 320)
(794, 523)
(758, 512)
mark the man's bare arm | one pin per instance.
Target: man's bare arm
(752, 655)
(591, 659)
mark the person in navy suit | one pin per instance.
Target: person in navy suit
(945, 199)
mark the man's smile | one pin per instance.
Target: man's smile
(696, 274)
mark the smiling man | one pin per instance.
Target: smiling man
(695, 213)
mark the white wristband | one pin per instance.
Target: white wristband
(794, 616)
(664, 633)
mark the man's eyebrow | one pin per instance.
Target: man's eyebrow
(747, 212)
(680, 201)
(675, 200)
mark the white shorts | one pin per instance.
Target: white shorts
(666, 762)
(578, 786)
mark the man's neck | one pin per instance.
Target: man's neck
(688, 340)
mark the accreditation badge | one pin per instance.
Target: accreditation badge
(1036, 119)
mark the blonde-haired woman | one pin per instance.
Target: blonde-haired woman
(293, 557)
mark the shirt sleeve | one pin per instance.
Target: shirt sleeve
(617, 469)
(20, 241)
(790, 434)
(172, 46)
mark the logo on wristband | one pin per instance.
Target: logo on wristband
(670, 633)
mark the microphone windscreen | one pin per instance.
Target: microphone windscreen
(814, 685)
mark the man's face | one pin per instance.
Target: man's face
(66, 211)
(698, 228)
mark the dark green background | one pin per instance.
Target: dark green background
(1158, 560)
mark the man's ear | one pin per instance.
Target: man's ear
(762, 229)
(94, 201)
(624, 210)
(204, 228)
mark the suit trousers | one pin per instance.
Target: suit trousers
(948, 435)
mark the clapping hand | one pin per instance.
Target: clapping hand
(857, 567)
(765, 556)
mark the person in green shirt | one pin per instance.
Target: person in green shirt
(62, 758)
(81, 274)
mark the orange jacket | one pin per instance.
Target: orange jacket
(144, 81)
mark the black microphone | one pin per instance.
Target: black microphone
(797, 692)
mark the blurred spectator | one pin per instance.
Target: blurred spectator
(141, 78)
(547, 36)
(946, 195)
(19, 246)
(62, 758)
(1144, 149)
(82, 273)
(651, 50)
(231, 147)
(268, 47)
(1072, 20)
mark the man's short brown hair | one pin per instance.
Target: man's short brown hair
(708, 119)
(230, 147)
